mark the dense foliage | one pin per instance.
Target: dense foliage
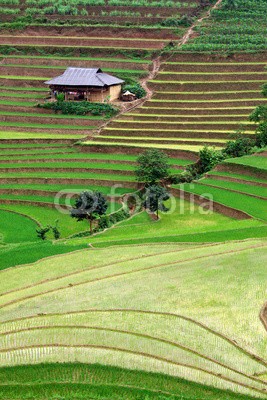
(89, 206)
(81, 108)
(152, 167)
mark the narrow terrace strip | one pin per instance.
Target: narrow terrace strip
(123, 273)
(135, 334)
(142, 354)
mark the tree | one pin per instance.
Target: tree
(154, 197)
(42, 231)
(55, 230)
(152, 167)
(89, 205)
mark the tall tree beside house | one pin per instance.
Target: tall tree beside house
(152, 167)
(89, 206)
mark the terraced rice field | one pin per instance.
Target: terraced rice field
(240, 183)
(32, 175)
(196, 101)
(153, 328)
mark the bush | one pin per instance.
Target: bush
(238, 148)
(119, 216)
(261, 135)
(208, 158)
(80, 108)
(104, 223)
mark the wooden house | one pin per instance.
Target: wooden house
(90, 84)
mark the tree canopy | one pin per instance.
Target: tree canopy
(155, 197)
(152, 167)
(89, 205)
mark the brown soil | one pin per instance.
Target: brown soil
(50, 120)
(242, 169)
(68, 181)
(165, 141)
(209, 96)
(228, 78)
(169, 134)
(205, 87)
(231, 58)
(194, 126)
(212, 67)
(203, 104)
(120, 149)
(50, 62)
(188, 118)
(79, 42)
(115, 32)
(193, 111)
(61, 160)
(70, 170)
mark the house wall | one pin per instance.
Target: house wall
(97, 97)
(114, 92)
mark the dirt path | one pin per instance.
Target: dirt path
(190, 31)
(154, 71)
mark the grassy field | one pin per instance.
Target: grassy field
(163, 330)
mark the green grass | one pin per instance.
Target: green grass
(237, 176)
(33, 251)
(31, 96)
(17, 103)
(67, 174)
(185, 224)
(46, 216)
(255, 207)
(10, 231)
(56, 188)
(251, 161)
(242, 187)
(36, 135)
(45, 126)
(131, 384)
(69, 164)
(23, 89)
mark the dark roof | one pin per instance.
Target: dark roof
(85, 77)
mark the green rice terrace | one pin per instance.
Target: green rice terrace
(133, 199)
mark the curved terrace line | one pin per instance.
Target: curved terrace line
(142, 354)
(161, 313)
(120, 274)
(142, 335)
(142, 257)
